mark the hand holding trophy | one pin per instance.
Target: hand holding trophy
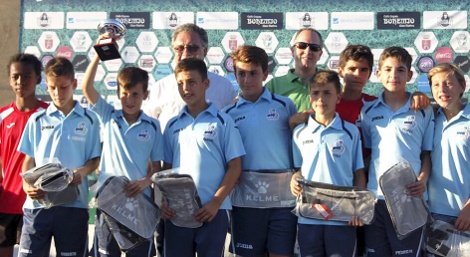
(107, 48)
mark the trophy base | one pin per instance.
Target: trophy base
(107, 50)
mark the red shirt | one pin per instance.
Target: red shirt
(12, 123)
(351, 110)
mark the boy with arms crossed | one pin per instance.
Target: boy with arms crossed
(131, 140)
(263, 121)
(394, 132)
(24, 71)
(328, 150)
(69, 133)
(206, 145)
(448, 188)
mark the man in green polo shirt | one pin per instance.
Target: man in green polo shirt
(307, 50)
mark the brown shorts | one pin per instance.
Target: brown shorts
(10, 229)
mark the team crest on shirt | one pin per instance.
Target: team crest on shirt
(272, 115)
(338, 148)
(463, 133)
(210, 133)
(409, 124)
(143, 136)
(81, 129)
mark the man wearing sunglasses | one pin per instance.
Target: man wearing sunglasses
(306, 50)
(164, 101)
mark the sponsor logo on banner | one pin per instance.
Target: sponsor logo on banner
(262, 20)
(162, 71)
(271, 64)
(426, 42)
(133, 20)
(84, 20)
(48, 41)
(65, 51)
(34, 50)
(111, 81)
(423, 84)
(45, 59)
(460, 41)
(217, 20)
(444, 54)
(80, 62)
(463, 63)
(215, 55)
(445, 19)
(229, 64)
(43, 20)
(283, 55)
(425, 64)
(398, 20)
(352, 20)
(298, 20)
(231, 41)
(171, 20)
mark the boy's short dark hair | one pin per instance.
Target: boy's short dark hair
(26, 59)
(450, 69)
(60, 66)
(398, 53)
(190, 64)
(323, 77)
(356, 53)
(129, 77)
(309, 29)
(250, 54)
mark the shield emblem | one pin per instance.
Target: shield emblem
(232, 44)
(426, 43)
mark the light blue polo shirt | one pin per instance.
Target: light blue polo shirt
(202, 147)
(73, 139)
(394, 137)
(449, 182)
(264, 128)
(127, 149)
(327, 154)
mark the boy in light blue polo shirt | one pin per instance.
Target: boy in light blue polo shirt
(327, 149)
(205, 144)
(69, 133)
(394, 133)
(448, 185)
(131, 140)
(263, 121)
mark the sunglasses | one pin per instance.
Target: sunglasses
(189, 48)
(303, 46)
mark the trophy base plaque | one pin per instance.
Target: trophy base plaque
(107, 49)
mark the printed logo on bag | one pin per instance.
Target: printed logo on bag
(127, 211)
(463, 133)
(409, 124)
(210, 133)
(272, 115)
(262, 187)
(262, 190)
(131, 204)
(338, 148)
(143, 136)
